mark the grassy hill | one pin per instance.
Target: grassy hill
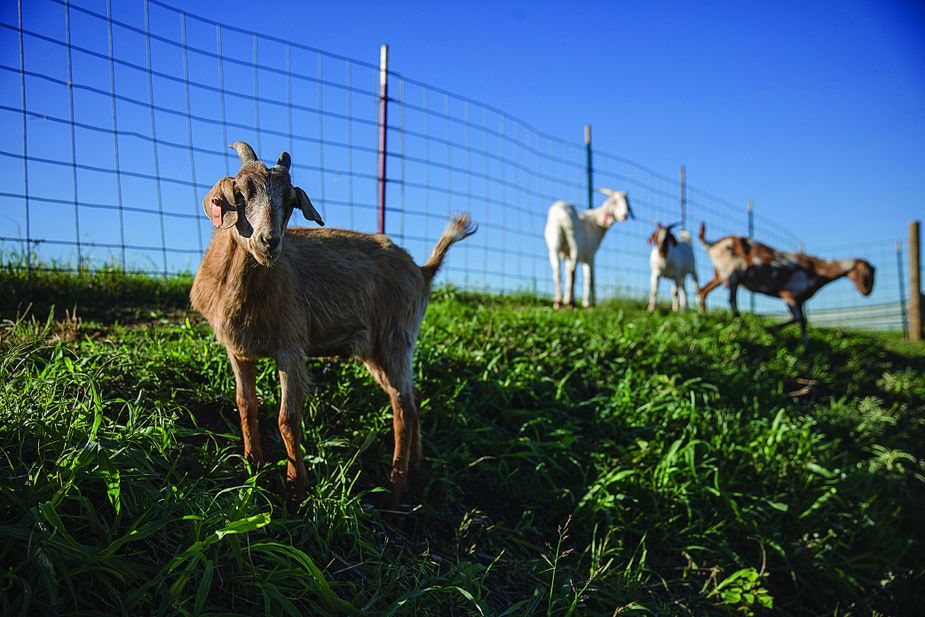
(593, 462)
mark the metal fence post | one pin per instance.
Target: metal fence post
(751, 236)
(383, 126)
(683, 197)
(25, 146)
(590, 170)
(902, 288)
(915, 287)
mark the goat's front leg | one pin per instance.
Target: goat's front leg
(245, 378)
(588, 271)
(653, 291)
(570, 266)
(733, 300)
(798, 316)
(683, 293)
(292, 384)
(674, 295)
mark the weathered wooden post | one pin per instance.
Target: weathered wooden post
(915, 283)
(383, 127)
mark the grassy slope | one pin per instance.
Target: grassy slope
(574, 462)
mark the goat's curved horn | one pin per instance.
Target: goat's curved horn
(629, 208)
(608, 192)
(245, 152)
(284, 161)
(673, 225)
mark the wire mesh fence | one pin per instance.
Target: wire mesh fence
(125, 111)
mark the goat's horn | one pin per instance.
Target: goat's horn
(284, 161)
(245, 152)
(673, 225)
(608, 192)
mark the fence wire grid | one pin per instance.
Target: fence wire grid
(125, 111)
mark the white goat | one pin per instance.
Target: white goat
(672, 258)
(574, 236)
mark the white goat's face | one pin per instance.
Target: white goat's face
(257, 203)
(617, 205)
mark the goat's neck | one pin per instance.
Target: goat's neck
(831, 269)
(602, 218)
(236, 274)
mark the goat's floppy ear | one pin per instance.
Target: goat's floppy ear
(301, 200)
(219, 204)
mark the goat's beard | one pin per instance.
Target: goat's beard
(264, 258)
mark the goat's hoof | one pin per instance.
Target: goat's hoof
(296, 483)
(557, 305)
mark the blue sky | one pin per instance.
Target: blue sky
(816, 111)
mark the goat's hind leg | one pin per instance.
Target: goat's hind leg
(697, 290)
(556, 277)
(570, 266)
(706, 289)
(293, 381)
(587, 270)
(245, 377)
(394, 376)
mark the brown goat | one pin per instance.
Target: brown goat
(331, 292)
(793, 277)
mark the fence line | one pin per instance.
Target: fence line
(150, 95)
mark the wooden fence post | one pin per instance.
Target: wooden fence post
(915, 283)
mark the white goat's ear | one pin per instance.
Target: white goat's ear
(308, 209)
(219, 204)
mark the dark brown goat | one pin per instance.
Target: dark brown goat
(272, 292)
(793, 277)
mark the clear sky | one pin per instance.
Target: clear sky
(815, 110)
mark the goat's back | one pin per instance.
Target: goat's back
(351, 292)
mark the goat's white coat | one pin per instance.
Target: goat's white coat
(574, 236)
(675, 267)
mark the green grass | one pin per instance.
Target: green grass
(577, 462)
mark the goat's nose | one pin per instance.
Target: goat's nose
(271, 242)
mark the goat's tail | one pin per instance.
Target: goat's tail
(702, 235)
(460, 228)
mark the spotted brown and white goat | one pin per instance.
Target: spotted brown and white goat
(793, 277)
(671, 258)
